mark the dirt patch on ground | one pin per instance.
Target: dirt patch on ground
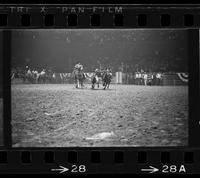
(56, 115)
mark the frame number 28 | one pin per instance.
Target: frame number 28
(78, 168)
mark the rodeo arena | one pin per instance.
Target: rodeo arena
(101, 103)
(30, 75)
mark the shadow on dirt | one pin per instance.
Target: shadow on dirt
(94, 89)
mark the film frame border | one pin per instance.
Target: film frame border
(117, 160)
(136, 16)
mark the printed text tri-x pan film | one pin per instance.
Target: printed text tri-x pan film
(99, 89)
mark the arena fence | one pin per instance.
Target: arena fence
(171, 79)
(167, 79)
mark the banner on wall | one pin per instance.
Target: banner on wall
(183, 77)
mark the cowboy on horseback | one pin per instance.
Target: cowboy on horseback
(78, 66)
(97, 77)
(79, 75)
(106, 78)
(98, 72)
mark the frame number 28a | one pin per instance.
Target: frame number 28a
(173, 169)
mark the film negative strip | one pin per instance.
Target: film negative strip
(97, 89)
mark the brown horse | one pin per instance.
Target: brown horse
(79, 77)
(107, 76)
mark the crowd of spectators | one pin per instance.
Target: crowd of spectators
(141, 72)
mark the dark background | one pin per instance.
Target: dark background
(154, 50)
(1, 87)
(1, 63)
(102, 1)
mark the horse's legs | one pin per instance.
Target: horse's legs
(93, 82)
(104, 86)
(78, 83)
(82, 84)
(99, 82)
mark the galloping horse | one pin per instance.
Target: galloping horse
(107, 76)
(79, 77)
(96, 78)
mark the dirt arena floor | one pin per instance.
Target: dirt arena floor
(58, 115)
(1, 121)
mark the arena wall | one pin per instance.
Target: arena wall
(173, 79)
(168, 79)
